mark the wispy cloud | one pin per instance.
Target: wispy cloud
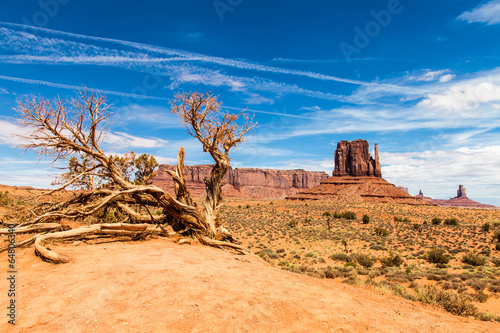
(488, 13)
(76, 88)
(120, 140)
(181, 66)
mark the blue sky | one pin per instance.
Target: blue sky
(420, 78)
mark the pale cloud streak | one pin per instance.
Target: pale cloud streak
(488, 13)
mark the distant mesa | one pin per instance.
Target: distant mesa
(461, 200)
(357, 178)
(404, 189)
(248, 183)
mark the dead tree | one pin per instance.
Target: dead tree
(63, 129)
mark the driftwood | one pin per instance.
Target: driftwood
(32, 228)
(113, 229)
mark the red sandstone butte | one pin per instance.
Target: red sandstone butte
(357, 178)
(250, 183)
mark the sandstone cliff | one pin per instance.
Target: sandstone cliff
(352, 158)
(245, 182)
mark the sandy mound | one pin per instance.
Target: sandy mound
(158, 286)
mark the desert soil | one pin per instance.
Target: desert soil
(160, 286)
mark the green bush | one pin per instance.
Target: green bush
(437, 256)
(340, 257)
(457, 304)
(327, 214)
(268, 252)
(486, 227)
(337, 215)
(348, 215)
(436, 221)
(497, 246)
(473, 259)
(496, 236)
(451, 221)
(381, 231)
(364, 260)
(393, 260)
(5, 199)
(416, 226)
(366, 219)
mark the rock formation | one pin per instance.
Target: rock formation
(353, 159)
(461, 200)
(404, 189)
(357, 178)
(245, 182)
(461, 192)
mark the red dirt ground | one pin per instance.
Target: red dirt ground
(159, 286)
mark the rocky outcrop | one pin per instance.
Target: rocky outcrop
(358, 189)
(461, 200)
(358, 178)
(461, 192)
(404, 189)
(352, 158)
(245, 182)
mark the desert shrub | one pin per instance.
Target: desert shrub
(283, 263)
(377, 247)
(327, 214)
(496, 261)
(5, 199)
(310, 254)
(398, 219)
(457, 304)
(496, 236)
(486, 227)
(348, 215)
(364, 260)
(437, 256)
(337, 215)
(393, 260)
(308, 220)
(436, 221)
(293, 223)
(247, 206)
(416, 226)
(269, 253)
(366, 219)
(451, 221)
(381, 231)
(109, 216)
(340, 257)
(474, 259)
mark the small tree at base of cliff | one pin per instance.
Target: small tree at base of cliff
(62, 130)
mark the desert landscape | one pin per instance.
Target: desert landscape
(250, 166)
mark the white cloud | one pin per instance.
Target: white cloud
(9, 132)
(123, 140)
(446, 78)
(463, 97)
(438, 173)
(430, 75)
(488, 13)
